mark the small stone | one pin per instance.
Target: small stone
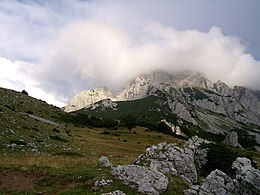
(13, 145)
(103, 183)
(104, 162)
(186, 180)
(117, 192)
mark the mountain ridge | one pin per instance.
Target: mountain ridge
(192, 97)
(138, 88)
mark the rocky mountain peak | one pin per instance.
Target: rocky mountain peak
(190, 95)
(222, 88)
(88, 97)
(141, 86)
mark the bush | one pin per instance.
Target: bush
(18, 142)
(57, 138)
(221, 157)
(106, 132)
(56, 130)
(163, 128)
(129, 121)
(24, 92)
(11, 108)
(29, 112)
(246, 140)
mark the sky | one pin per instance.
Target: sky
(54, 49)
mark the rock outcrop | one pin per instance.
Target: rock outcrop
(247, 181)
(189, 95)
(103, 183)
(146, 180)
(148, 173)
(117, 192)
(88, 97)
(103, 105)
(175, 129)
(232, 140)
(104, 162)
(172, 159)
(247, 176)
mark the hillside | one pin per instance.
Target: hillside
(188, 100)
(46, 150)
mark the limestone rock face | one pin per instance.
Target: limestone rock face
(103, 105)
(247, 181)
(104, 162)
(88, 97)
(146, 180)
(232, 140)
(189, 95)
(172, 159)
(217, 182)
(222, 88)
(247, 176)
(175, 129)
(145, 84)
(148, 173)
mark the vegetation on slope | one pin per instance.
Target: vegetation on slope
(61, 157)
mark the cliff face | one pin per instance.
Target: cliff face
(88, 97)
(189, 95)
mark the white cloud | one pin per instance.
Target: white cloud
(89, 54)
(18, 76)
(74, 45)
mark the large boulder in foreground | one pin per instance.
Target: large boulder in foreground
(247, 176)
(247, 181)
(174, 159)
(146, 180)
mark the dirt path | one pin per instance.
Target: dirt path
(17, 180)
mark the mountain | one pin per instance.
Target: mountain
(55, 152)
(30, 126)
(88, 97)
(147, 84)
(188, 92)
(189, 98)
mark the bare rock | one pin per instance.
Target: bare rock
(103, 183)
(104, 162)
(170, 159)
(247, 176)
(144, 179)
(232, 140)
(247, 181)
(117, 192)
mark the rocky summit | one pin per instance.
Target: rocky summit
(190, 96)
(88, 97)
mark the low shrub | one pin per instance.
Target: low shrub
(221, 157)
(18, 142)
(56, 130)
(57, 138)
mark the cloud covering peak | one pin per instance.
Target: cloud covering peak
(54, 49)
(89, 54)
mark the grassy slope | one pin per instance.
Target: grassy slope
(65, 167)
(151, 107)
(71, 167)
